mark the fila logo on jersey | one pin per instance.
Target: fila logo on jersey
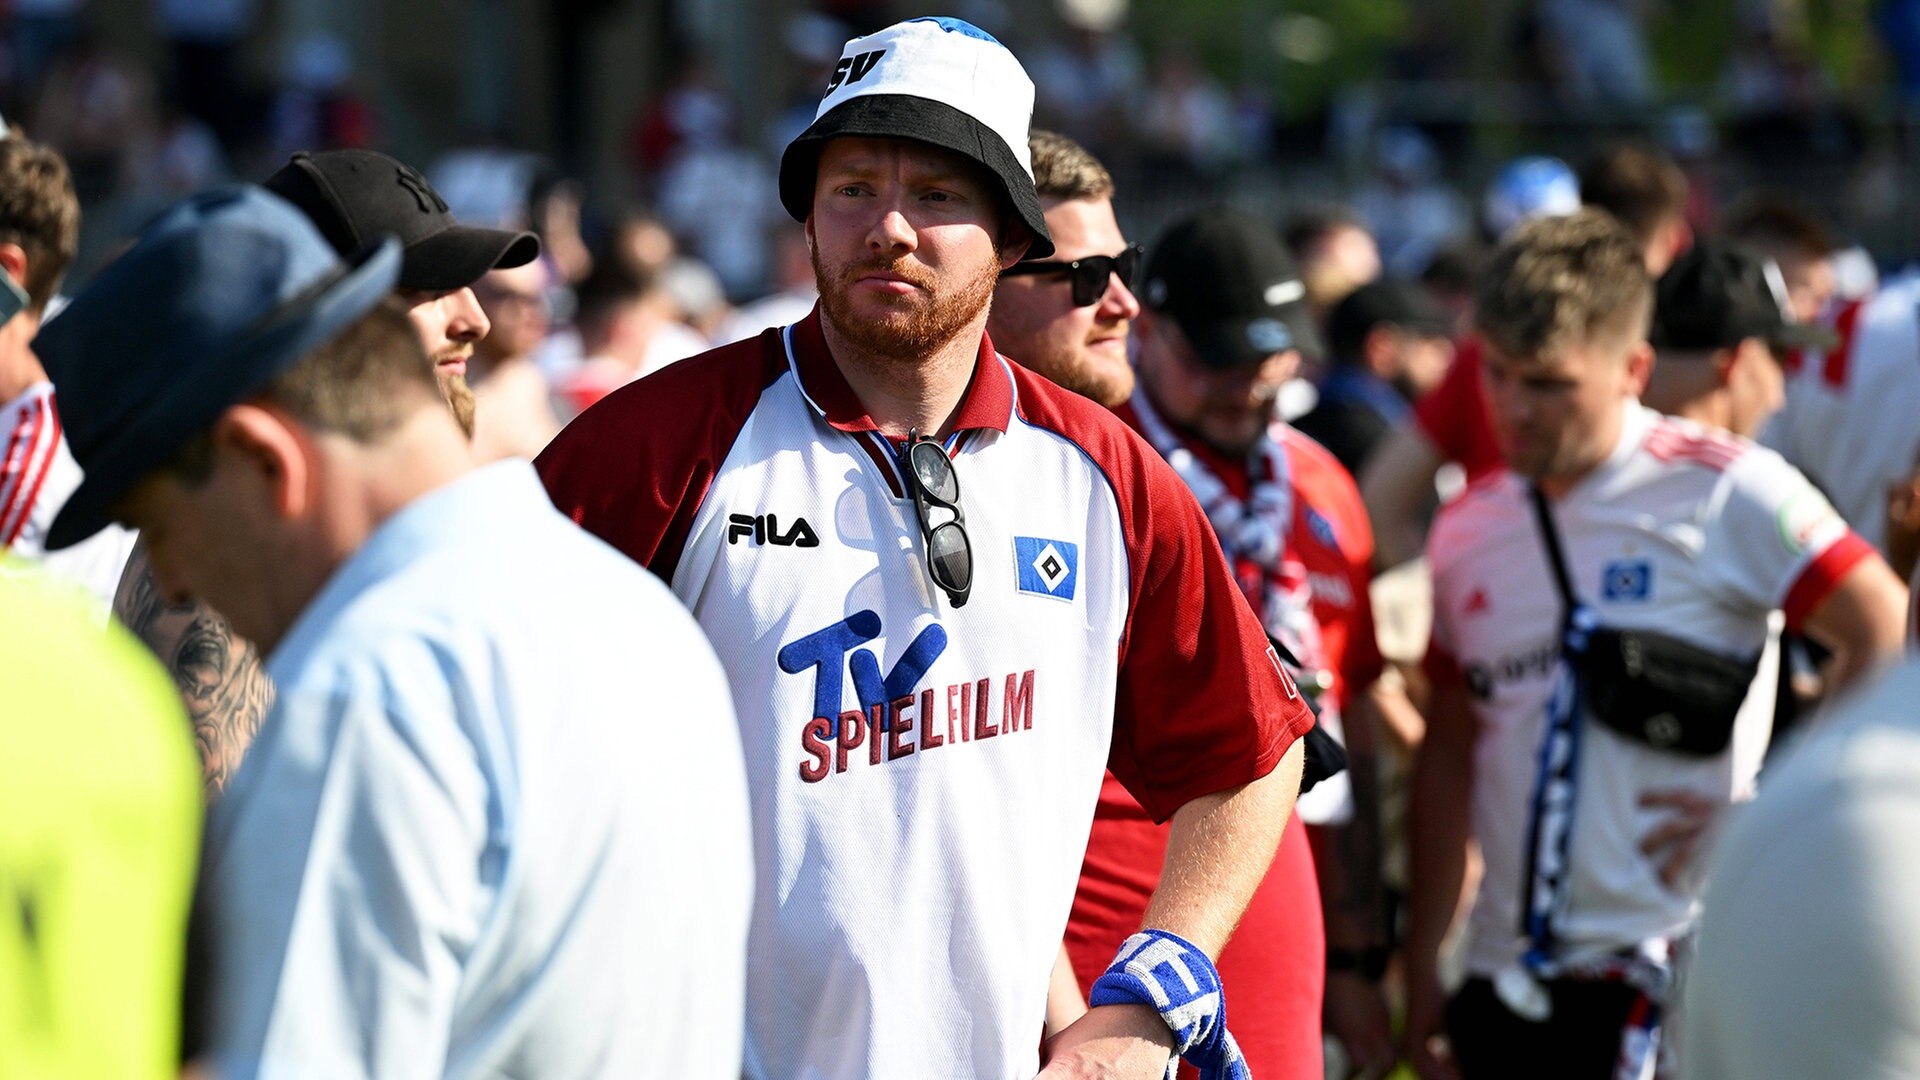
(1627, 579)
(1046, 567)
(894, 705)
(852, 69)
(765, 529)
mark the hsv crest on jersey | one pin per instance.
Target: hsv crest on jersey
(765, 529)
(1046, 567)
(1627, 579)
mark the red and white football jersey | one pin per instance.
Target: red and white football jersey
(37, 473)
(924, 776)
(1851, 421)
(1686, 531)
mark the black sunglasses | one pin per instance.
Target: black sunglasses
(1090, 275)
(949, 553)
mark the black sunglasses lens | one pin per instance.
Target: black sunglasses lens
(1090, 276)
(934, 471)
(1128, 264)
(950, 558)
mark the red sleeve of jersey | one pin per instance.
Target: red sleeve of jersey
(1201, 705)
(1454, 415)
(1325, 485)
(634, 468)
(1822, 576)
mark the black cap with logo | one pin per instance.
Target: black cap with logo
(357, 196)
(1227, 281)
(1719, 294)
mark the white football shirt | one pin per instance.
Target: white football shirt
(924, 775)
(1851, 421)
(1687, 531)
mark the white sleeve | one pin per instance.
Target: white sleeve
(1772, 539)
(347, 889)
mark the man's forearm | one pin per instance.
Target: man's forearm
(221, 680)
(1439, 829)
(1218, 851)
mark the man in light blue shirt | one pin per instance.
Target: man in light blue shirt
(495, 824)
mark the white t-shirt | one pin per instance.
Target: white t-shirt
(37, 474)
(1683, 530)
(1807, 962)
(1851, 421)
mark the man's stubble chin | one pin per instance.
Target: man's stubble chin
(917, 325)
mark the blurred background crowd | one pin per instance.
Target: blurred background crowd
(651, 129)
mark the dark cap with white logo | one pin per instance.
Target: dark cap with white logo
(1227, 281)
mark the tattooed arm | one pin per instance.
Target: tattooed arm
(220, 677)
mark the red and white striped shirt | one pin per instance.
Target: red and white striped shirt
(37, 474)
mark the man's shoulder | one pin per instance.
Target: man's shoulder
(1097, 431)
(686, 395)
(1490, 506)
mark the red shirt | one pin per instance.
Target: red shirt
(1455, 415)
(1274, 969)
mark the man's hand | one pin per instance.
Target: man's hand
(1676, 842)
(1356, 1014)
(1426, 1047)
(1903, 526)
(1112, 1042)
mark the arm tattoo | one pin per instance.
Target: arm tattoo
(221, 680)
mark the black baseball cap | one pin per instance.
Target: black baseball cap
(1719, 294)
(1227, 281)
(356, 196)
(1397, 303)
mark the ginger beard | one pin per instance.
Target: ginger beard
(453, 386)
(913, 325)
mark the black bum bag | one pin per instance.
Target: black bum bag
(1651, 687)
(1658, 690)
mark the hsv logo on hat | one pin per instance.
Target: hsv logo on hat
(940, 81)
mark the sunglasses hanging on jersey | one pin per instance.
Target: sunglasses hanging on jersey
(949, 553)
(1090, 275)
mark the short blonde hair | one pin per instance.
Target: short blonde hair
(1065, 170)
(1559, 281)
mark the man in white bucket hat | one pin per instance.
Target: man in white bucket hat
(948, 594)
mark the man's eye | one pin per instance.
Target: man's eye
(850, 189)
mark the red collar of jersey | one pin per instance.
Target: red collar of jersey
(988, 402)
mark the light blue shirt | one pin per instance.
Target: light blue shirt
(496, 823)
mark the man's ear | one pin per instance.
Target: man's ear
(13, 259)
(1726, 362)
(274, 449)
(1015, 247)
(1639, 367)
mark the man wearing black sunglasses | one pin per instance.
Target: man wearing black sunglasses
(949, 595)
(1067, 316)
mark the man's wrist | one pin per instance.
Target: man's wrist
(1140, 1021)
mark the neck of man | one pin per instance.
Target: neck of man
(901, 394)
(19, 367)
(1712, 410)
(359, 488)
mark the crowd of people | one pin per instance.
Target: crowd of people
(446, 649)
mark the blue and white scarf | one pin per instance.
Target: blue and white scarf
(1173, 976)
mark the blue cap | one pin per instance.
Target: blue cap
(222, 293)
